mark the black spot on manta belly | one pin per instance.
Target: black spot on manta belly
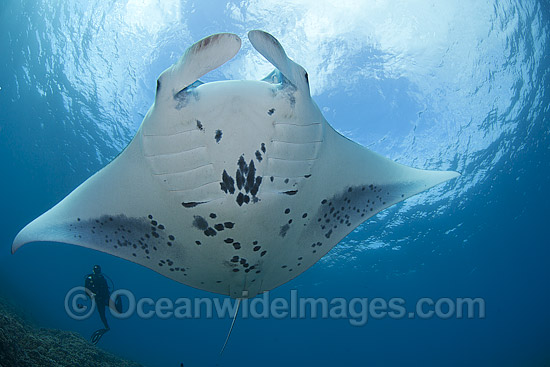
(210, 232)
(246, 180)
(239, 178)
(240, 199)
(192, 204)
(218, 136)
(290, 192)
(227, 184)
(199, 125)
(200, 223)
(183, 97)
(284, 230)
(256, 186)
(250, 177)
(270, 112)
(241, 163)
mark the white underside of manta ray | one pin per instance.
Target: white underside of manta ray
(233, 187)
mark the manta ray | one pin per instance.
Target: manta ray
(233, 187)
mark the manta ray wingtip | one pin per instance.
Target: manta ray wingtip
(39, 229)
(451, 174)
(433, 178)
(19, 241)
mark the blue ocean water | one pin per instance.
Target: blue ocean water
(432, 85)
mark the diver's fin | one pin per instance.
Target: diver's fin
(115, 303)
(232, 324)
(118, 304)
(96, 336)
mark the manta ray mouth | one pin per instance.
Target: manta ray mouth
(275, 77)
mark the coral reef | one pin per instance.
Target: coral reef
(23, 345)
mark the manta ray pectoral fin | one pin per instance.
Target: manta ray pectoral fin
(385, 181)
(271, 49)
(388, 181)
(202, 57)
(347, 185)
(104, 213)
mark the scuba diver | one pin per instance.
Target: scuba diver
(98, 289)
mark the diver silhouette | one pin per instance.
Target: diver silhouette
(98, 289)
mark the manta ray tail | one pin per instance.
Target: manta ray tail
(232, 324)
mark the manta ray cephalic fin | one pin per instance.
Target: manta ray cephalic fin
(271, 49)
(202, 57)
